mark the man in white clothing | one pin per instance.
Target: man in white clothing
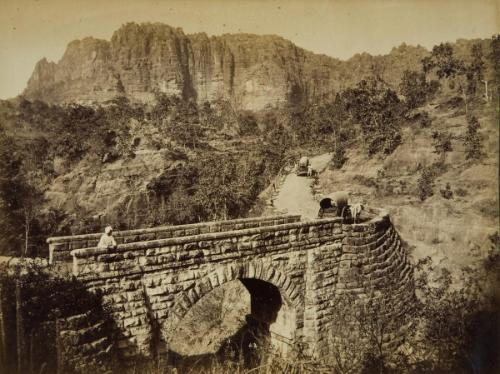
(107, 240)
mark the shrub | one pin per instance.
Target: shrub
(492, 261)
(472, 140)
(416, 89)
(425, 120)
(339, 158)
(378, 110)
(247, 123)
(175, 154)
(442, 143)
(365, 181)
(425, 183)
(447, 193)
(454, 322)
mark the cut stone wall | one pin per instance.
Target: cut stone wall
(60, 247)
(152, 284)
(369, 259)
(85, 344)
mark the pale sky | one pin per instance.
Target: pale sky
(32, 29)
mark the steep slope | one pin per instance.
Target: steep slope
(454, 231)
(251, 70)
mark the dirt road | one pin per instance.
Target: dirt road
(295, 195)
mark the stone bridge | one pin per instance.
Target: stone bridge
(155, 276)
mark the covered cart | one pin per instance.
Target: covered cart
(303, 166)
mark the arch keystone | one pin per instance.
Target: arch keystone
(258, 266)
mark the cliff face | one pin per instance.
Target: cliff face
(250, 70)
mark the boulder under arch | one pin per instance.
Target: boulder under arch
(258, 270)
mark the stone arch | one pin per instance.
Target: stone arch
(253, 270)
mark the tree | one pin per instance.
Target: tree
(472, 139)
(445, 337)
(10, 166)
(342, 133)
(178, 120)
(339, 155)
(361, 327)
(494, 56)
(415, 88)
(247, 123)
(445, 324)
(31, 205)
(442, 143)
(425, 184)
(218, 193)
(20, 197)
(467, 76)
(443, 61)
(279, 141)
(475, 69)
(378, 110)
(346, 350)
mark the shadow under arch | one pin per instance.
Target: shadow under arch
(275, 299)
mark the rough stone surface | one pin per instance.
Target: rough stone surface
(155, 283)
(86, 345)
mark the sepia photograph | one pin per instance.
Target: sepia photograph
(249, 187)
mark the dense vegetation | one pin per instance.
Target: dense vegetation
(30, 311)
(40, 142)
(224, 157)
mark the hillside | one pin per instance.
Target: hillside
(163, 136)
(454, 232)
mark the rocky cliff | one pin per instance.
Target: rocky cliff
(250, 70)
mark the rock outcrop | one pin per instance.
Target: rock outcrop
(250, 70)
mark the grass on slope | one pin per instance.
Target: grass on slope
(454, 232)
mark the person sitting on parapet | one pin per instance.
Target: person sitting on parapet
(107, 240)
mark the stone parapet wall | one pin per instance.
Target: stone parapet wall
(60, 247)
